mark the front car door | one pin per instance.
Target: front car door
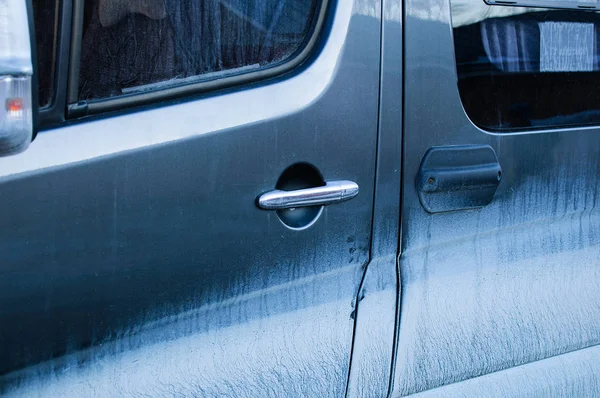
(133, 256)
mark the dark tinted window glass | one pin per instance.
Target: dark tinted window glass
(523, 68)
(133, 46)
(45, 20)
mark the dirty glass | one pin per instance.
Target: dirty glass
(45, 15)
(527, 68)
(136, 46)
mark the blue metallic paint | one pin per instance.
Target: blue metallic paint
(135, 261)
(135, 256)
(509, 284)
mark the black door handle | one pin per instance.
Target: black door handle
(458, 177)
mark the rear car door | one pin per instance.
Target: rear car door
(500, 297)
(133, 256)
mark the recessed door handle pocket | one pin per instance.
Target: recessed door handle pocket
(330, 193)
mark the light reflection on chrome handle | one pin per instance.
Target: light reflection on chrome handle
(332, 192)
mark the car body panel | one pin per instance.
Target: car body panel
(511, 283)
(374, 335)
(136, 260)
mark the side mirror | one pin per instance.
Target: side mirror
(18, 100)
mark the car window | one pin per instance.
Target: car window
(523, 68)
(46, 26)
(136, 46)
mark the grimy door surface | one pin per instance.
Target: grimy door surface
(500, 299)
(134, 258)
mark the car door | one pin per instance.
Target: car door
(134, 257)
(499, 289)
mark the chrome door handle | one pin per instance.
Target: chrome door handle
(332, 192)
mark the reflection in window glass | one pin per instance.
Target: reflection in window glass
(134, 46)
(45, 21)
(523, 68)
